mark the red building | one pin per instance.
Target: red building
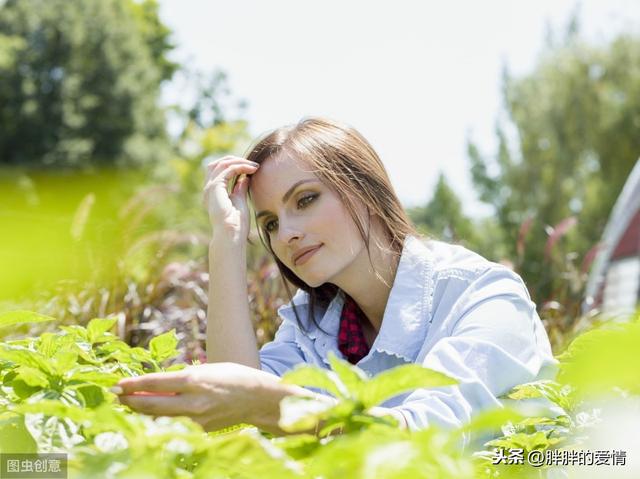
(614, 282)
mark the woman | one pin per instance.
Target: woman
(369, 289)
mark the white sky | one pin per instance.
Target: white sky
(414, 77)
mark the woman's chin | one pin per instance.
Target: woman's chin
(314, 282)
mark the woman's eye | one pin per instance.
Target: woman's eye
(302, 203)
(267, 226)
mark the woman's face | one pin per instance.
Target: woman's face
(311, 215)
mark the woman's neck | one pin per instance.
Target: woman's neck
(367, 289)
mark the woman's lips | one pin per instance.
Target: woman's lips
(305, 257)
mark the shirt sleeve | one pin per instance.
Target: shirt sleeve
(495, 341)
(283, 353)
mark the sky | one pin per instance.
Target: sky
(416, 78)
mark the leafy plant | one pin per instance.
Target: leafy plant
(54, 397)
(356, 394)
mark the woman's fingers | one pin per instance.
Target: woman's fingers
(239, 192)
(224, 170)
(178, 405)
(223, 177)
(174, 382)
(227, 160)
(217, 183)
(190, 405)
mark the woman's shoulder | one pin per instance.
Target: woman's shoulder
(449, 257)
(454, 256)
(455, 267)
(459, 269)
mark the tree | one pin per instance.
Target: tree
(79, 82)
(444, 219)
(443, 216)
(576, 119)
(155, 34)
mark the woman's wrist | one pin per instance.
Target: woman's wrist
(221, 232)
(223, 247)
(268, 392)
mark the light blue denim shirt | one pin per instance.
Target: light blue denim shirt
(450, 310)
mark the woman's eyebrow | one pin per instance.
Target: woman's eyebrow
(286, 196)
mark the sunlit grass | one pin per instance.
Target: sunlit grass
(58, 225)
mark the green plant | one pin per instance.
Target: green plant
(54, 397)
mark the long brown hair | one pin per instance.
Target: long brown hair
(347, 164)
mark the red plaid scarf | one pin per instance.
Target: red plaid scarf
(351, 340)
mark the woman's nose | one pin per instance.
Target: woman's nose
(287, 231)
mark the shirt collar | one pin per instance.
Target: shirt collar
(404, 325)
(328, 319)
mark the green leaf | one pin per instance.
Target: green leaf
(313, 376)
(298, 446)
(91, 394)
(399, 380)
(493, 419)
(299, 413)
(525, 391)
(86, 352)
(490, 421)
(63, 361)
(247, 455)
(93, 376)
(164, 346)
(21, 355)
(563, 421)
(22, 389)
(32, 377)
(52, 433)
(50, 407)
(76, 332)
(604, 358)
(8, 377)
(14, 436)
(528, 442)
(115, 345)
(376, 452)
(20, 316)
(351, 376)
(125, 356)
(97, 328)
(48, 344)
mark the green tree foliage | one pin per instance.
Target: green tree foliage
(210, 125)
(79, 82)
(155, 34)
(576, 119)
(443, 218)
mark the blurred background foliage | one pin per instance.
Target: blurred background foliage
(566, 145)
(79, 83)
(100, 188)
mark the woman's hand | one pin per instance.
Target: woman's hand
(228, 211)
(215, 395)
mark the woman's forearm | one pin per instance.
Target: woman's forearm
(230, 335)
